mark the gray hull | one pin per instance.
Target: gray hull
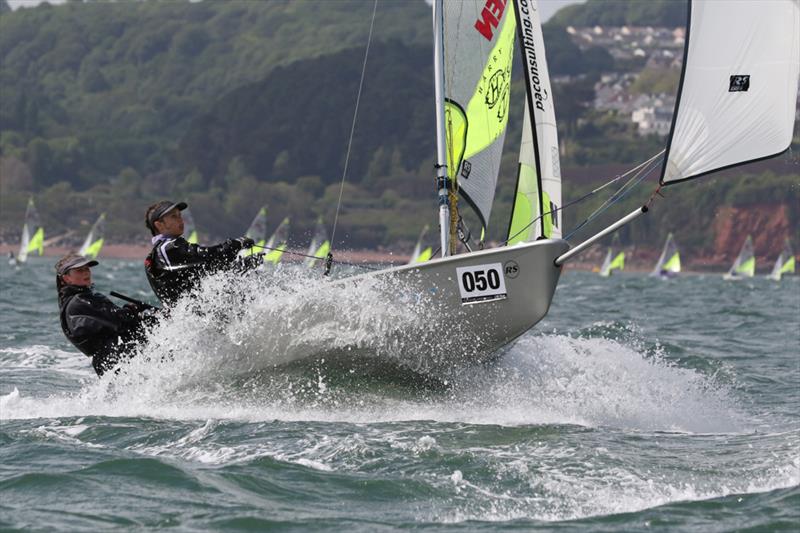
(456, 332)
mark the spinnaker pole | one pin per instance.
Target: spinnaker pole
(441, 147)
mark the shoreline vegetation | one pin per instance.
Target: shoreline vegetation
(108, 107)
(639, 260)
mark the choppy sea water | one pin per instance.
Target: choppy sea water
(637, 404)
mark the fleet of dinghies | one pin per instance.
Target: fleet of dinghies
(735, 104)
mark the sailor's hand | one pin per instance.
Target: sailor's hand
(246, 242)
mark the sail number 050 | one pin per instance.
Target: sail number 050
(481, 283)
(480, 280)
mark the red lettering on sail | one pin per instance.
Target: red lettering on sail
(490, 18)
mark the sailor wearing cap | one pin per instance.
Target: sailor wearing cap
(97, 327)
(174, 266)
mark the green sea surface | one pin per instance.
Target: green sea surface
(638, 404)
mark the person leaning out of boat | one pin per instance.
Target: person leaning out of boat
(174, 266)
(96, 326)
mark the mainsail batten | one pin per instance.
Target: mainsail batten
(736, 99)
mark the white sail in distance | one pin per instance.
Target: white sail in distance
(745, 264)
(669, 262)
(478, 53)
(538, 191)
(258, 232)
(277, 243)
(189, 229)
(736, 99)
(95, 239)
(32, 239)
(785, 264)
(320, 245)
(420, 254)
(613, 260)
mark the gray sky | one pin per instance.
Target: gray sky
(548, 7)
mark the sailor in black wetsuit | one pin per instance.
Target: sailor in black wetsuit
(174, 266)
(97, 327)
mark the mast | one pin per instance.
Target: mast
(441, 149)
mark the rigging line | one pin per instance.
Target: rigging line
(584, 197)
(301, 254)
(616, 197)
(353, 126)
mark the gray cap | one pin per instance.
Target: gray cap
(71, 261)
(162, 208)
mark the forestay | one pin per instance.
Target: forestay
(95, 239)
(736, 99)
(538, 191)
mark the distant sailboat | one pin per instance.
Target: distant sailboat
(278, 243)
(32, 234)
(745, 264)
(613, 261)
(669, 263)
(320, 245)
(420, 255)
(785, 263)
(95, 239)
(257, 231)
(189, 229)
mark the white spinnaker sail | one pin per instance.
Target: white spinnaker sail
(736, 100)
(538, 190)
(32, 239)
(95, 239)
(745, 263)
(670, 260)
(478, 53)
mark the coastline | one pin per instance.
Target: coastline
(639, 261)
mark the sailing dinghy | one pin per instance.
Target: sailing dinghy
(785, 264)
(189, 229)
(95, 239)
(420, 255)
(613, 261)
(32, 240)
(257, 231)
(278, 243)
(745, 264)
(319, 247)
(669, 262)
(735, 105)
